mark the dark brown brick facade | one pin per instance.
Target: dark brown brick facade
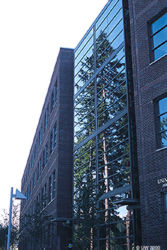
(150, 82)
(60, 160)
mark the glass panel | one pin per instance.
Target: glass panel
(111, 88)
(162, 105)
(87, 94)
(113, 156)
(159, 52)
(111, 20)
(106, 113)
(106, 12)
(103, 55)
(157, 25)
(83, 43)
(165, 206)
(115, 224)
(103, 41)
(117, 37)
(84, 115)
(163, 122)
(160, 37)
(82, 64)
(164, 139)
(85, 70)
(165, 202)
(114, 22)
(84, 50)
(85, 194)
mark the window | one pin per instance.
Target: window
(40, 135)
(161, 120)
(43, 196)
(46, 118)
(51, 190)
(53, 136)
(31, 185)
(50, 187)
(35, 151)
(53, 96)
(35, 176)
(34, 179)
(39, 168)
(45, 155)
(159, 36)
(165, 206)
(32, 160)
(38, 198)
(53, 185)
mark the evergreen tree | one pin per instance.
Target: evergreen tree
(34, 233)
(113, 144)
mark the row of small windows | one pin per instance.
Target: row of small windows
(47, 193)
(40, 136)
(43, 159)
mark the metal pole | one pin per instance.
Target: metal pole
(10, 217)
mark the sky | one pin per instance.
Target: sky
(31, 34)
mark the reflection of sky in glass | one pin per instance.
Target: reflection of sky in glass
(122, 212)
(164, 138)
(87, 46)
(88, 54)
(166, 202)
(109, 23)
(163, 122)
(163, 106)
(106, 12)
(159, 52)
(83, 43)
(160, 37)
(157, 25)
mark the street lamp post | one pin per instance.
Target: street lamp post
(18, 196)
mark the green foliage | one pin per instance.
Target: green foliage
(14, 228)
(34, 225)
(3, 235)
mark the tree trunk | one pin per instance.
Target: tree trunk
(106, 183)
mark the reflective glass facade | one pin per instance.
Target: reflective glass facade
(102, 165)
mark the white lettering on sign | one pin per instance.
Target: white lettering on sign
(162, 180)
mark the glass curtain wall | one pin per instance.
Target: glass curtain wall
(101, 142)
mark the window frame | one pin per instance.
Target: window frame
(165, 207)
(53, 137)
(157, 116)
(53, 97)
(46, 118)
(52, 186)
(151, 35)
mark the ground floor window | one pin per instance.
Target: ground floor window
(165, 206)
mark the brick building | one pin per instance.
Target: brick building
(148, 23)
(47, 179)
(120, 135)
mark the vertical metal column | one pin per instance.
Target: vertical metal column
(10, 218)
(131, 123)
